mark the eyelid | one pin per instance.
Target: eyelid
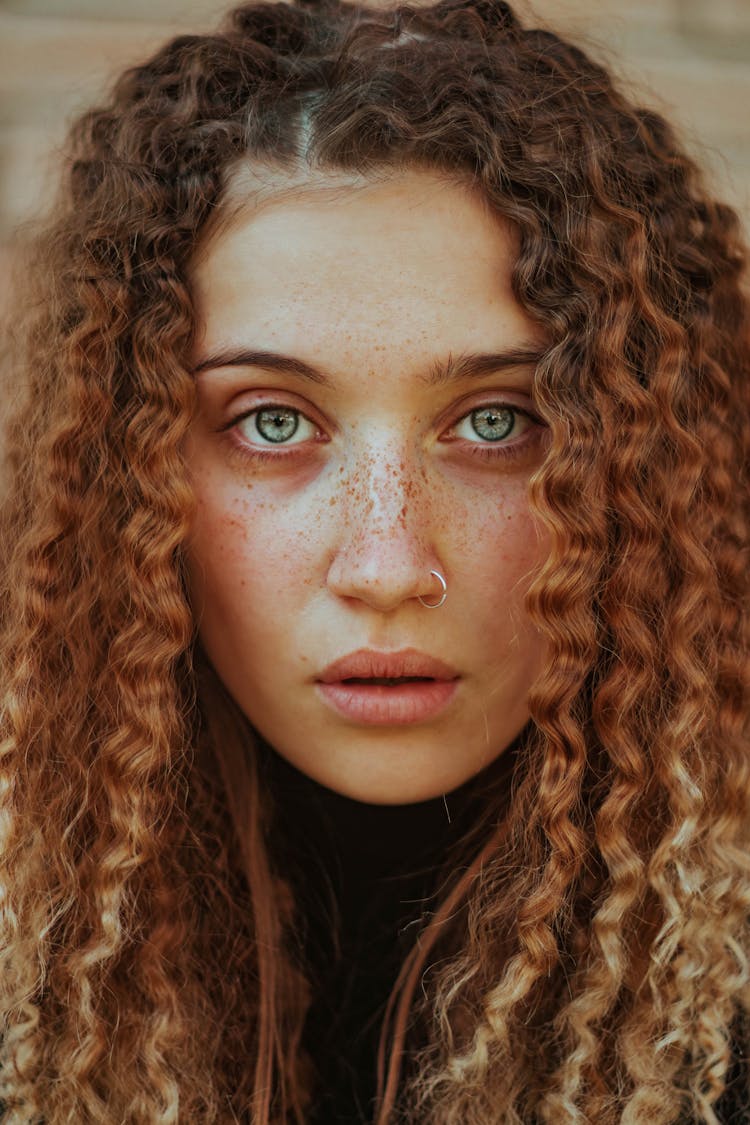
(266, 400)
(501, 399)
(491, 396)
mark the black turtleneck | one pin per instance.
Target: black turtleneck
(374, 865)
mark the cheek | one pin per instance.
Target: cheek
(246, 555)
(498, 539)
(499, 547)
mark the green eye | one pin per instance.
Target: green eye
(277, 424)
(492, 422)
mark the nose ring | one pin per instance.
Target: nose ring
(444, 595)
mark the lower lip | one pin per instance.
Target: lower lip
(380, 705)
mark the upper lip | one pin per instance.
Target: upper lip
(365, 664)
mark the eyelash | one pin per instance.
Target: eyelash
(489, 452)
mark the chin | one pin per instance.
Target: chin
(394, 788)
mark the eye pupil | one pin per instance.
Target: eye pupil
(277, 424)
(492, 423)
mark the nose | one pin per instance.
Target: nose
(385, 551)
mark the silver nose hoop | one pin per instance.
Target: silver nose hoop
(443, 596)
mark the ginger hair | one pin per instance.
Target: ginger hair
(593, 942)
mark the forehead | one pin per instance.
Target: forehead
(415, 259)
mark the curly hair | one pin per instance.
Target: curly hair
(594, 940)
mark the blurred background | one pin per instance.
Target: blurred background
(689, 58)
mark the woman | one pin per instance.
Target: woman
(375, 606)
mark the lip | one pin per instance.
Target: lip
(367, 663)
(382, 704)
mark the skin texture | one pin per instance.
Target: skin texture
(323, 547)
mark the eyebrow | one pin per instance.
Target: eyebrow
(451, 370)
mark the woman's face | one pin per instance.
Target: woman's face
(332, 482)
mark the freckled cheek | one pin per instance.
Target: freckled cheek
(495, 537)
(246, 555)
(504, 547)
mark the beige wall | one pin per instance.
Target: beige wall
(690, 58)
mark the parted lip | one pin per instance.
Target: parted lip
(365, 664)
